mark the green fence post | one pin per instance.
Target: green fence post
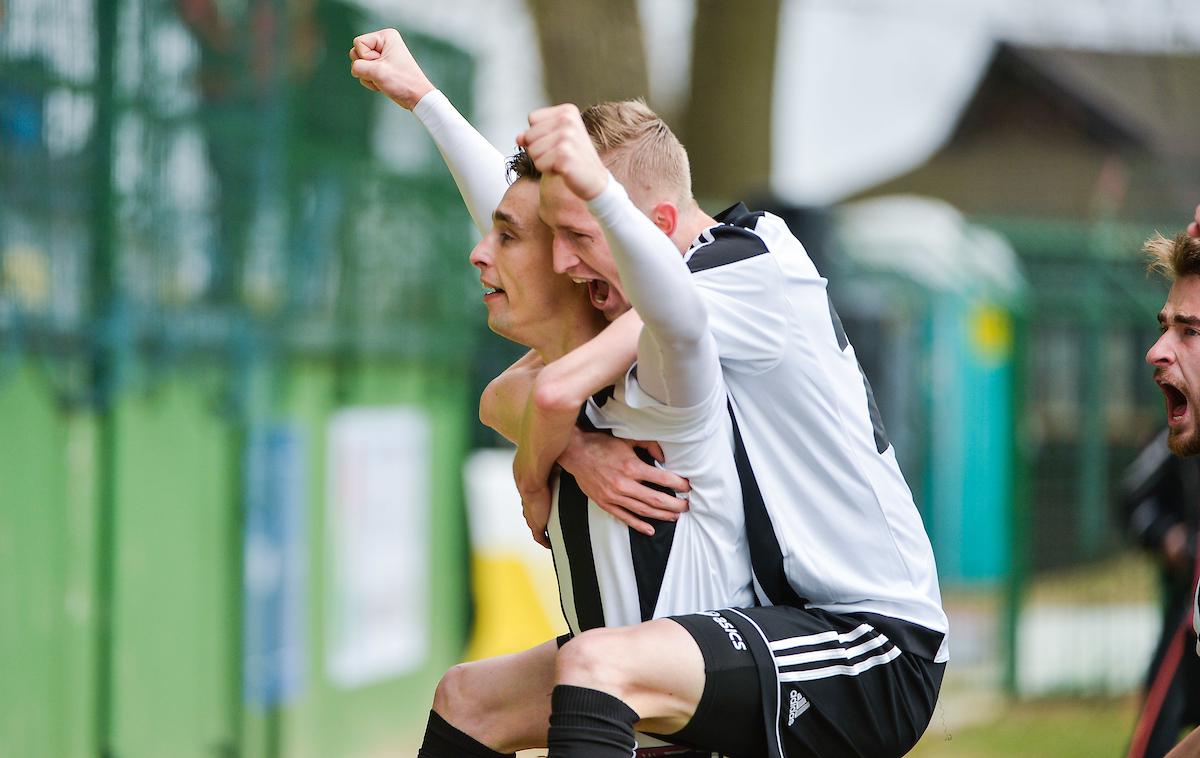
(1018, 510)
(1093, 447)
(104, 360)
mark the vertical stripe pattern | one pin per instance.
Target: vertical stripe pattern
(650, 554)
(765, 554)
(577, 544)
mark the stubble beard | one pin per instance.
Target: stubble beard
(1185, 442)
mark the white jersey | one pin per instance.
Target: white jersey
(831, 521)
(611, 575)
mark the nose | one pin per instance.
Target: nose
(562, 256)
(481, 254)
(1160, 353)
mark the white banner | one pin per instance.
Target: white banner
(378, 521)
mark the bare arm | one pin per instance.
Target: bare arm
(559, 391)
(562, 387)
(502, 405)
(383, 63)
(606, 468)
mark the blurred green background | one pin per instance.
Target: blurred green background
(231, 279)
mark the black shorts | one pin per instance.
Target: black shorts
(794, 682)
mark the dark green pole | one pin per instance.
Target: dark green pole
(236, 587)
(1093, 447)
(1018, 539)
(104, 368)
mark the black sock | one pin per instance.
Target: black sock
(586, 723)
(444, 741)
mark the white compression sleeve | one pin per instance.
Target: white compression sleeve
(677, 355)
(478, 167)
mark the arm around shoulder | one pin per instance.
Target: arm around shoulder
(502, 404)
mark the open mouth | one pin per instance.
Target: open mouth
(489, 291)
(1177, 402)
(598, 291)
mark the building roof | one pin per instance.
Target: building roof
(1072, 134)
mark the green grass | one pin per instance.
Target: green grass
(1128, 575)
(1041, 729)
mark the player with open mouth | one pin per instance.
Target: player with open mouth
(1158, 485)
(1176, 354)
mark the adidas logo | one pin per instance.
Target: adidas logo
(796, 707)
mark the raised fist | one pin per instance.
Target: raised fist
(381, 62)
(559, 145)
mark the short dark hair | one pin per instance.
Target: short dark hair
(520, 166)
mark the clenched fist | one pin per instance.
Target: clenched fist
(381, 62)
(559, 145)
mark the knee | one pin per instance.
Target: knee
(593, 660)
(452, 698)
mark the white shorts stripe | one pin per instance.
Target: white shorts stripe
(845, 653)
(817, 639)
(841, 670)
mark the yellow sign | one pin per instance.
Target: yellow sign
(991, 333)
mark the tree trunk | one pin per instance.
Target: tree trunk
(591, 50)
(727, 119)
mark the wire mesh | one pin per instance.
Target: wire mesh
(255, 188)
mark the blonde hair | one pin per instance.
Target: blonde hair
(639, 148)
(1173, 258)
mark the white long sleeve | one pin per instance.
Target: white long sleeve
(477, 166)
(677, 355)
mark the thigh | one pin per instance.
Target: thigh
(654, 667)
(503, 701)
(729, 718)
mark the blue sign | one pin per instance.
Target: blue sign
(274, 565)
(21, 117)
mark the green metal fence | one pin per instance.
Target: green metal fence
(206, 231)
(1007, 357)
(1088, 407)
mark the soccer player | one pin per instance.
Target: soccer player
(1176, 360)
(856, 647)
(607, 574)
(606, 468)
(847, 654)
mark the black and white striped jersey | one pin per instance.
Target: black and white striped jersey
(611, 575)
(674, 394)
(830, 518)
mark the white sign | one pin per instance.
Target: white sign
(378, 523)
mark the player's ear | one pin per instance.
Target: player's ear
(665, 216)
